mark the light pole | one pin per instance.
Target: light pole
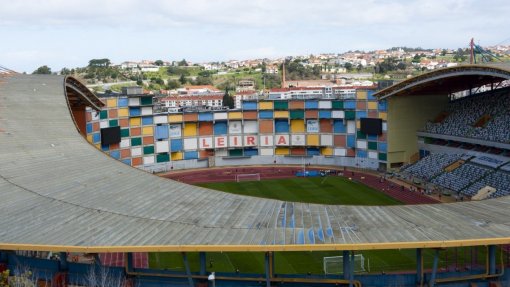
(212, 278)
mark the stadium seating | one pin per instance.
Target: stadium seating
(499, 180)
(461, 177)
(431, 165)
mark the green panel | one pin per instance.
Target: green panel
(162, 157)
(372, 145)
(382, 156)
(124, 133)
(148, 149)
(114, 123)
(235, 152)
(136, 141)
(338, 105)
(350, 115)
(297, 114)
(360, 135)
(103, 114)
(146, 101)
(281, 105)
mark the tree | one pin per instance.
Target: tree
(348, 66)
(173, 84)
(99, 63)
(228, 101)
(359, 68)
(182, 63)
(182, 79)
(43, 70)
(65, 71)
(459, 55)
(158, 63)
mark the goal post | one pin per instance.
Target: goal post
(335, 264)
(248, 177)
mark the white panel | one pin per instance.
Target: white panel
(338, 114)
(148, 159)
(220, 116)
(266, 141)
(234, 127)
(134, 101)
(298, 140)
(324, 104)
(340, 152)
(146, 111)
(136, 151)
(95, 115)
(160, 119)
(351, 127)
(361, 144)
(125, 143)
(190, 144)
(175, 131)
(384, 126)
(326, 140)
(235, 141)
(221, 152)
(205, 143)
(162, 146)
(250, 140)
(312, 126)
(281, 140)
(266, 151)
(103, 124)
(250, 127)
(372, 154)
(220, 142)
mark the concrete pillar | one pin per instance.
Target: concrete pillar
(419, 266)
(188, 271)
(203, 267)
(63, 261)
(492, 259)
(346, 265)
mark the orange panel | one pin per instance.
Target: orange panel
(298, 151)
(372, 114)
(350, 152)
(293, 105)
(251, 115)
(193, 117)
(123, 123)
(136, 131)
(326, 126)
(136, 161)
(205, 128)
(114, 146)
(266, 126)
(148, 140)
(311, 114)
(205, 153)
(382, 137)
(88, 117)
(125, 153)
(95, 127)
(112, 114)
(339, 141)
(361, 105)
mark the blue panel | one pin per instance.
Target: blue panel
(320, 234)
(361, 153)
(161, 132)
(311, 104)
(281, 126)
(89, 128)
(115, 154)
(329, 232)
(127, 161)
(265, 114)
(205, 117)
(134, 111)
(324, 114)
(339, 127)
(311, 236)
(312, 151)
(96, 138)
(301, 237)
(190, 154)
(382, 105)
(370, 95)
(292, 223)
(250, 106)
(361, 114)
(251, 152)
(147, 121)
(382, 146)
(351, 141)
(220, 128)
(371, 137)
(175, 145)
(105, 147)
(351, 105)
(122, 102)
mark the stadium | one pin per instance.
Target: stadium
(79, 195)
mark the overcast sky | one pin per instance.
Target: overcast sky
(68, 33)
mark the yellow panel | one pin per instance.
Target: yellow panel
(98, 146)
(134, 122)
(176, 155)
(265, 105)
(123, 112)
(281, 114)
(175, 118)
(89, 138)
(111, 103)
(372, 105)
(297, 126)
(327, 151)
(358, 124)
(383, 115)
(235, 115)
(147, 131)
(361, 95)
(190, 129)
(312, 140)
(281, 151)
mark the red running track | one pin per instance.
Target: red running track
(116, 259)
